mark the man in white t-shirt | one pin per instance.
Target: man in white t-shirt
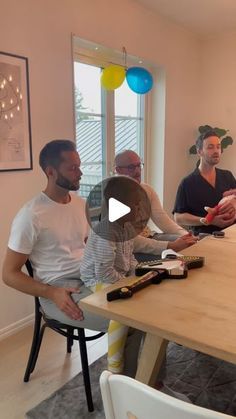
(175, 237)
(51, 230)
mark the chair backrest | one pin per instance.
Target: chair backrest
(125, 398)
(29, 268)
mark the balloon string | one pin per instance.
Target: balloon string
(124, 57)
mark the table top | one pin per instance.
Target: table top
(230, 234)
(198, 312)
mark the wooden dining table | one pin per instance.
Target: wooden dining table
(230, 234)
(198, 312)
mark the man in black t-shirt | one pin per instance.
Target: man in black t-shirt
(204, 187)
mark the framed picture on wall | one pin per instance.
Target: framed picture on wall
(15, 128)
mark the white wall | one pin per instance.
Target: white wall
(41, 31)
(218, 89)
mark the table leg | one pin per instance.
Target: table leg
(153, 352)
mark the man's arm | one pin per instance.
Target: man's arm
(181, 211)
(13, 276)
(230, 192)
(159, 215)
(225, 215)
(187, 219)
(224, 219)
(148, 245)
(155, 247)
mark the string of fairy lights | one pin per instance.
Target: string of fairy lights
(10, 98)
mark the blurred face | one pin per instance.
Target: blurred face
(211, 151)
(68, 174)
(129, 164)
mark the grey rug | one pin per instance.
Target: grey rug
(207, 381)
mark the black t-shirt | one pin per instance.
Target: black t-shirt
(194, 193)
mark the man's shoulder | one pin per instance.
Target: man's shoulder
(28, 211)
(33, 202)
(224, 172)
(148, 188)
(41, 202)
(190, 177)
(151, 193)
(145, 186)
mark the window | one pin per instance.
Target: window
(128, 120)
(107, 122)
(89, 121)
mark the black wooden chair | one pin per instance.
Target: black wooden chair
(69, 333)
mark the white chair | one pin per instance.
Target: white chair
(126, 398)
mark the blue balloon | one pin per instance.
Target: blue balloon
(139, 79)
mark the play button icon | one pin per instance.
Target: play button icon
(116, 210)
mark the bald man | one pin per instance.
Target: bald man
(128, 163)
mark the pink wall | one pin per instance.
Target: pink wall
(41, 30)
(218, 89)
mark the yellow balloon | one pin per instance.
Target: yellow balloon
(112, 77)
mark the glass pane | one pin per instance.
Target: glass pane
(128, 120)
(127, 135)
(126, 101)
(89, 146)
(87, 88)
(89, 127)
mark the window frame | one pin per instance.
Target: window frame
(90, 57)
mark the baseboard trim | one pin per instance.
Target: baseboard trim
(16, 327)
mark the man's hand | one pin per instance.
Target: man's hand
(183, 242)
(227, 209)
(225, 216)
(62, 298)
(229, 192)
(223, 220)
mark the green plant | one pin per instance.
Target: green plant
(226, 140)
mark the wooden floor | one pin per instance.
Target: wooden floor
(54, 368)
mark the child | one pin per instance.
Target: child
(108, 257)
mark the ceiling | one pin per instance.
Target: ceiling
(204, 17)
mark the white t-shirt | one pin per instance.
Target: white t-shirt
(53, 234)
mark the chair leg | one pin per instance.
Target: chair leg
(34, 346)
(69, 340)
(85, 369)
(38, 347)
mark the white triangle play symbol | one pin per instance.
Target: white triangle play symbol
(116, 210)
